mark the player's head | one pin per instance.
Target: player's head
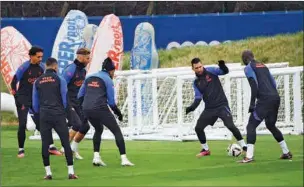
(197, 66)
(108, 66)
(83, 55)
(51, 63)
(247, 56)
(36, 55)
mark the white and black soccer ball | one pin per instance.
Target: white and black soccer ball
(234, 150)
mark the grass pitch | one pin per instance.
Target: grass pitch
(157, 164)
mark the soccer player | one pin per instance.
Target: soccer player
(264, 104)
(207, 86)
(74, 75)
(96, 94)
(49, 100)
(26, 75)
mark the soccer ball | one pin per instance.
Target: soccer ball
(234, 150)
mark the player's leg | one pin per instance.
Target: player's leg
(36, 118)
(205, 119)
(22, 118)
(226, 117)
(46, 139)
(110, 122)
(97, 135)
(73, 121)
(253, 123)
(62, 130)
(270, 122)
(83, 129)
(96, 123)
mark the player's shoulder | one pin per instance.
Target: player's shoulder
(106, 77)
(42, 66)
(209, 68)
(25, 65)
(69, 68)
(195, 82)
(60, 78)
(257, 64)
(247, 67)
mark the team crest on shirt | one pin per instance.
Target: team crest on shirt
(78, 83)
(208, 78)
(31, 80)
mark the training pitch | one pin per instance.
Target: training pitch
(157, 163)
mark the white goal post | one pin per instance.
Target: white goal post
(156, 109)
(153, 103)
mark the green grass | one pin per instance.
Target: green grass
(280, 48)
(157, 164)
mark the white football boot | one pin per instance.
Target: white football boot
(125, 161)
(98, 162)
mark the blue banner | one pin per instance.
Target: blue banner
(178, 28)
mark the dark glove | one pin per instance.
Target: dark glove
(222, 66)
(251, 109)
(120, 117)
(188, 110)
(117, 112)
(221, 63)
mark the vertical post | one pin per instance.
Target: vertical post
(287, 99)
(227, 87)
(246, 99)
(179, 95)
(155, 102)
(240, 119)
(297, 111)
(130, 106)
(138, 106)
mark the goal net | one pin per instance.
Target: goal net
(153, 103)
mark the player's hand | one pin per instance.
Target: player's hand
(221, 62)
(13, 92)
(188, 110)
(251, 109)
(120, 117)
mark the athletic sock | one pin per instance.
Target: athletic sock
(70, 170)
(96, 154)
(205, 146)
(284, 147)
(48, 170)
(242, 143)
(74, 146)
(123, 157)
(250, 150)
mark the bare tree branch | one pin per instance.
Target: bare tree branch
(150, 8)
(64, 9)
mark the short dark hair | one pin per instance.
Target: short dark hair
(108, 64)
(195, 61)
(83, 51)
(34, 50)
(50, 61)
